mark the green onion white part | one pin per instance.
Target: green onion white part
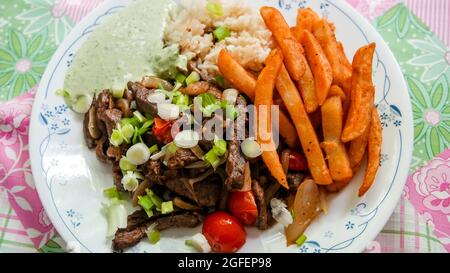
(138, 154)
(250, 148)
(230, 95)
(82, 104)
(280, 212)
(116, 216)
(186, 139)
(199, 242)
(130, 181)
(168, 111)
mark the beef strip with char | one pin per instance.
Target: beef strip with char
(181, 158)
(110, 118)
(181, 220)
(236, 162)
(258, 192)
(117, 176)
(141, 94)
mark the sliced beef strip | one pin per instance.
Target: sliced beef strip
(155, 172)
(236, 162)
(205, 193)
(141, 94)
(181, 158)
(125, 237)
(258, 192)
(116, 153)
(181, 220)
(117, 176)
(101, 150)
(137, 218)
(294, 180)
(104, 100)
(110, 117)
(91, 131)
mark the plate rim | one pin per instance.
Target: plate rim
(359, 20)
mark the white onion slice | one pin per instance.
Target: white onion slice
(280, 212)
(157, 97)
(138, 154)
(200, 243)
(168, 111)
(250, 148)
(230, 95)
(186, 139)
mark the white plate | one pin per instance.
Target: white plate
(70, 179)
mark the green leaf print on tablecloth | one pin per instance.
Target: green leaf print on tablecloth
(30, 32)
(425, 62)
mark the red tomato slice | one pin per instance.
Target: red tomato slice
(243, 206)
(223, 232)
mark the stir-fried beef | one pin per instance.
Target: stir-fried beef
(137, 218)
(236, 162)
(258, 192)
(104, 100)
(181, 158)
(101, 149)
(205, 193)
(141, 95)
(110, 117)
(117, 176)
(181, 220)
(125, 237)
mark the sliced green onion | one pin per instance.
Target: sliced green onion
(82, 104)
(138, 154)
(220, 81)
(220, 147)
(116, 138)
(208, 99)
(231, 112)
(166, 207)
(155, 198)
(130, 181)
(153, 149)
(250, 148)
(153, 236)
(180, 78)
(116, 216)
(301, 240)
(117, 90)
(127, 132)
(111, 193)
(129, 121)
(212, 158)
(126, 165)
(221, 33)
(145, 202)
(199, 242)
(210, 109)
(214, 8)
(192, 78)
(182, 99)
(63, 93)
(139, 116)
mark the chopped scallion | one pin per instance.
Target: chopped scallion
(145, 202)
(180, 78)
(301, 240)
(153, 236)
(192, 78)
(111, 193)
(214, 8)
(126, 165)
(153, 149)
(221, 33)
(166, 207)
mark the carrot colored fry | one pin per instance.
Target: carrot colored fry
(373, 151)
(291, 48)
(357, 149)
(337, 185)
(320, 66)
(243, 81)
(306, 19)
(337, 91)
(263, 97)
(338, 161)
(305, 130)
(236, 74)
(327, 40)
(362, 94)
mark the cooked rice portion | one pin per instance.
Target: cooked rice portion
(191, 27)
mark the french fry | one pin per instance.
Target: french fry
(338, 160)
(291, 48)
(357, 149)
(306, 19)
(263, 97)
(306, 85)
(373, 151)
(337, 185)
(337, 91)
(362, 94)
(319, 64)
(305, 130)
(244, 82)
(236, 74)
(327, 40)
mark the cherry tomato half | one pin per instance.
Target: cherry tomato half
(223, 232)
(162, 130)
(243, 206)
(297, 162)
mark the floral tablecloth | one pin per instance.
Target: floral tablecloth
(31, 30)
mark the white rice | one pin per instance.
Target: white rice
(249, 43)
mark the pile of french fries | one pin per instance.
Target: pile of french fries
(323, 93)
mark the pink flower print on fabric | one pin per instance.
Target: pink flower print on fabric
(429, 192)
(371, 9)
(16, 181)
